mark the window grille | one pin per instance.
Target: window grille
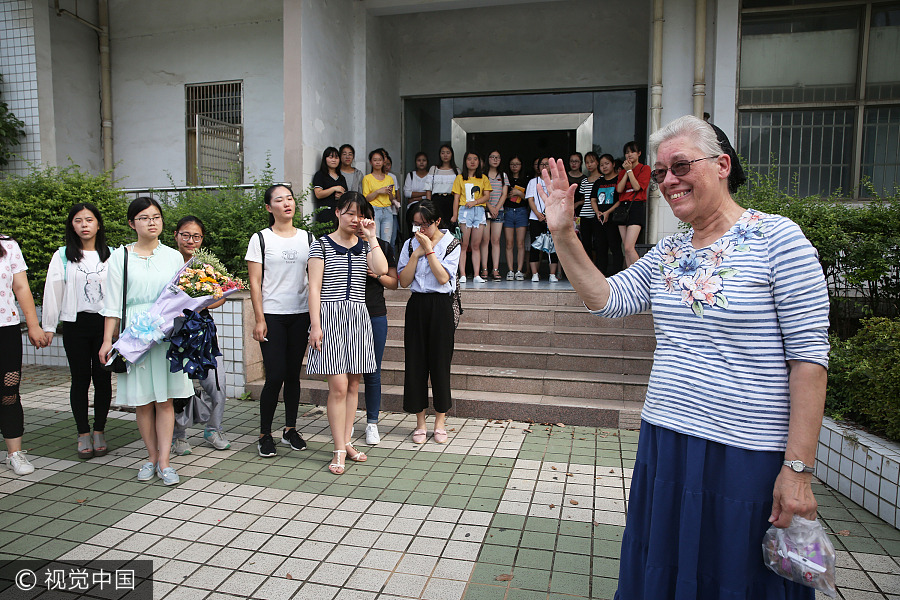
(214, 126)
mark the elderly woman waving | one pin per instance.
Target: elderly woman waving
(735, 400)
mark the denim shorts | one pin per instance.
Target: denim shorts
(500, 216)
(471, 217)
(516, 216)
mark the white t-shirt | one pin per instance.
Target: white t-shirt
(531, 192)
(11, 263)
(285, 288)
(441, 180)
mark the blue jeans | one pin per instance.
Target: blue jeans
(373, 380)
(384, 222)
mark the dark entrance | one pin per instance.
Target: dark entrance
(527, 145)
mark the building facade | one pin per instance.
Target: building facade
(199, 90)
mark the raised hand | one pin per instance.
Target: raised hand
(559, 200)
(368, 226)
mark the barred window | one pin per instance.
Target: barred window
(819, 94)
(214, 132)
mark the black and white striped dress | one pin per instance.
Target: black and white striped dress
(347, 343)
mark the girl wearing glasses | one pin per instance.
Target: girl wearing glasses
(516, 219)
(495, 213)
(427, 268)
(632, 189)
(207, 405)
(149, 386)
(73, 293)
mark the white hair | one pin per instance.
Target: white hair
(697, 130)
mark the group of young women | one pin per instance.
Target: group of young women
(483, 199)
(88, 284)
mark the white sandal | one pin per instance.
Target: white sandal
(334, 467)
(358, 457)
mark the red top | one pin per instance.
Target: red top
(642, 174)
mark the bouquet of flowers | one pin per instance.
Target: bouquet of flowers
(202, 281)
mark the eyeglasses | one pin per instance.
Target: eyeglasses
(143, 219)
(197, 237)
(422, 225)
(679, 169)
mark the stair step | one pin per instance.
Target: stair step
(542, 382)
(541, 357)
(538, 408)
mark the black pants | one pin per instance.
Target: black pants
(443, 204)
(82, 340)
(12, 419)
(282, 357)
(609, 241)
(535, 229)
(428, 340)
(590, 232)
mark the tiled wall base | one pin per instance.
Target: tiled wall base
(862, 466)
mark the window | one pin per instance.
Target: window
(819, 95)
(215, 133)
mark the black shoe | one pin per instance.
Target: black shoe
(292, 438)
(266, 446)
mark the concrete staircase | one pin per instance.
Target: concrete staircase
(528, 354)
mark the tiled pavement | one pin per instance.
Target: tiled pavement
(504, 511)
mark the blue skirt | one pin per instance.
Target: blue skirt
(697, 514)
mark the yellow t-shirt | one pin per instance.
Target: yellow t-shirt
(483, 185)
(370, 184)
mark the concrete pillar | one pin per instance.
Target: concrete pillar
(293, 96)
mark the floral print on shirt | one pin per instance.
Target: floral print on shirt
(698, 275)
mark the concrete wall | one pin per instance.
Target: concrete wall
(75, 58)
(515, 49)
(384, 69)
(158, 47)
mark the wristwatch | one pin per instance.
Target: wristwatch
(798, 466)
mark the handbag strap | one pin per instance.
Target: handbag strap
(124, 293)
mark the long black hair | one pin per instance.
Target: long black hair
(478, 174)
(4, 238)
(74, 247)
(440, 162)
(267, 197)
(329, 152)
(141, 204)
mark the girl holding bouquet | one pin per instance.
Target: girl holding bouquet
(340, 336)
(149, 386)
(73, 294)
(189, 233)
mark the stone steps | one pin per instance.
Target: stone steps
(530, 354)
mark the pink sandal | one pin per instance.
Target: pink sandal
(419, 436)
(440, 436)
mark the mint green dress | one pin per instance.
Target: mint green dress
(149, 379)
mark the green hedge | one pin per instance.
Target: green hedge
(858, 245)
(34, 207)
(864, 377)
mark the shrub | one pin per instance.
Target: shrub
(858, 245)
(864, 377)
(34, 207)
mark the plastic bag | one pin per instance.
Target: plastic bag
(801, 553)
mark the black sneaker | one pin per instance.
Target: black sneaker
(266, 446)
(292, 438)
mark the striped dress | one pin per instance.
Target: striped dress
(347, 343)
(727, 317)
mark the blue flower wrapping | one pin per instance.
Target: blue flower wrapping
(193, 345)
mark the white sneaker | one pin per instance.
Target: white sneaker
(553, 278)
(180, 447)
(535, 277)
(18, 463)
(510, 276)
(520, 276)
(478, 279)
(462, 278)
(372, 437)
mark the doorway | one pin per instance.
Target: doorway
(527, 145)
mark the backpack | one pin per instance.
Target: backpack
(455, 301)
(262, 251)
